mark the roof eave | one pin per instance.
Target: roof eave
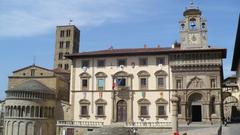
(79, 55)
(236, 56)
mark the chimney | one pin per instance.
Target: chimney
(158, 46)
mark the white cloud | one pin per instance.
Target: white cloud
(33, 17)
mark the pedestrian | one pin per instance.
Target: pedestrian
(225, 122)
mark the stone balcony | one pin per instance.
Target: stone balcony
(149, 124)
(92, 124)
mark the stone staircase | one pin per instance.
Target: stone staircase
(113, 129)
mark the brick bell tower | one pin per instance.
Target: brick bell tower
(67, 42)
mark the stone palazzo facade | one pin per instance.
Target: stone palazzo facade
(136, 85)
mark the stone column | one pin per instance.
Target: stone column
(174, 101)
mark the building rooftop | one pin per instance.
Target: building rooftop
(34, 86)
(140, 51)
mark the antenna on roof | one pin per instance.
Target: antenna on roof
(70, 22)
(34, 60)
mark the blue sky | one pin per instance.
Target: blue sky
(27, 28)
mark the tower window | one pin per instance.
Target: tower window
(62, 33)
(60, 56)
(67, 44)
(60, 65)
(193, 24)
(61, 44)
(203, 25)
(182, 26)
(66, 66)
(68, 33)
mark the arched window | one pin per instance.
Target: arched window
(121, 80)
(161, 105)
(100, 107)
(192, 24)
(182, 26)
(84, 108)
(144, 107)
(203, 25)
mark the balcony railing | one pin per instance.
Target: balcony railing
(62, 123)
(149, 124)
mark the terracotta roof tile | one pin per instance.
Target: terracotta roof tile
(138, 51)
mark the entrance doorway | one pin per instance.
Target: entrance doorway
(196, 113)
(121, 111)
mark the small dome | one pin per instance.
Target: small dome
(34, 86)
(192, 11)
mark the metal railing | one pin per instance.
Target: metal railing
(149, 124)
(62, 123)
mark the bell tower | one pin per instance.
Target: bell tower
(67, 42)
(193, 29)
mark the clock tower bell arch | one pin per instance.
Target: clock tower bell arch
(193, 29)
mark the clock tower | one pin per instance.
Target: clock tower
(193, 29)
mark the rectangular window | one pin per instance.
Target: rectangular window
(84, 84)
(67, 44)
(32, 72)
(100, 110)
(121, 82)
(143, 62)
(143, 111)
(160, 60)
(101, 63)
(161, 110)
(179, 84)
(213, 82)
(143, 83)
(161, 82)
(85, 63)
(100, 84)
(62, 33)
(84, 110)
(61, 44)
(60, 56)
(122, 62)
(68, 33)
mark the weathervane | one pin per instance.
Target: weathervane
(70, 21)
(191, 2)
(34, 60)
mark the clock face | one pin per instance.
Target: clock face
(193, 39)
